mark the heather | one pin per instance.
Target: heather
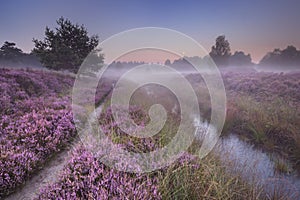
(265, 86)
(36, 121)
(262, 108)
(86, 177)
(249, 115)
(27, 142)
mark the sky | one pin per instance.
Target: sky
(252, 26)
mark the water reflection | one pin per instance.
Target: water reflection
(253, 164)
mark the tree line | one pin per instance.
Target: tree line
(67, 46)
(10, 55)
(220, 53)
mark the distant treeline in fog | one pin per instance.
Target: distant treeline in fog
(11, 56)
(67, 46)
(288, 58)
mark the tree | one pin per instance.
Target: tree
(167, 62)
(65, 47)
(239, 58)
(9, 51)
(11, 56)
(220, 52)
(288, 57)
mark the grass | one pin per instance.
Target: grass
(273, 126)
(270, 125)
(207, 180)
(258, 134)
(281, 166)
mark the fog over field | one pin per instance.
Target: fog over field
(150, 100)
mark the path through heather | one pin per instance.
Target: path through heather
(48, 175)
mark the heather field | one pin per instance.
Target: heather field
(150, 100)
(36, 122)
(263, 118)
(263, 108)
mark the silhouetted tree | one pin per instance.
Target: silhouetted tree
(9, 51)
(220, 52)
(240, 59)
(65, 47)
(291, 56)
(288, 57)
(11, 56)
(168, 62)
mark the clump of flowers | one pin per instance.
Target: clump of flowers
(35, 122)
(111, 127)
(88, 177)
(85, 177)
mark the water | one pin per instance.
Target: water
(254, 165)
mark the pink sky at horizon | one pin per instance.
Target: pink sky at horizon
(255, 27)
(256, 53)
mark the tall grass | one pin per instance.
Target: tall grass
(274, 126)
(207, 179)
(270, 121)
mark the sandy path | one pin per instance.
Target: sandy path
(48, 175)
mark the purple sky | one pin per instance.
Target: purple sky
(255, 26)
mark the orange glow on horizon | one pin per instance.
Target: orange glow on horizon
(149, 56)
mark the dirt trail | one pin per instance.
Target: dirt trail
(48, 175)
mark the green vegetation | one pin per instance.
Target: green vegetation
(66, 47)
(261, 110)
(205, 179)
